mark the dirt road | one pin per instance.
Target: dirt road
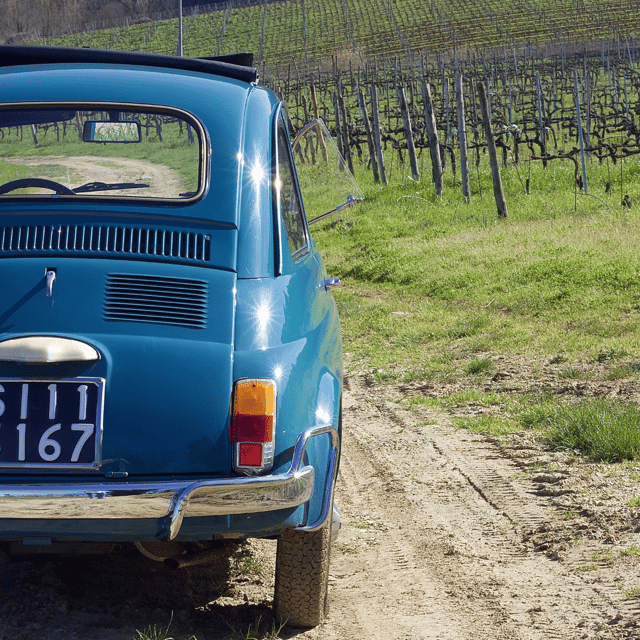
(450, 535)
(446, 535)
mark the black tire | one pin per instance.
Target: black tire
(302, 576)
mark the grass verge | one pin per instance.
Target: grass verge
(442, 294)
(607, 431)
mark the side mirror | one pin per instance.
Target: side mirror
(106, 131)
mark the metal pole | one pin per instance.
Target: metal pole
(180, 27)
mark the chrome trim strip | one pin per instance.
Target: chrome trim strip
(307, 127)
(336, 523)
(281, 123)
(329, 283)
(169, 501)
(238, 495)
(346, 205)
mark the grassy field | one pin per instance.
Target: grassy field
(444, 294)
(297, 33)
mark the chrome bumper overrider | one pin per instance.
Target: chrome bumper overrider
(171, 501)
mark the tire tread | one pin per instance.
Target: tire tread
(302, 575)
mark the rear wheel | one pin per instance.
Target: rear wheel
(302, 576)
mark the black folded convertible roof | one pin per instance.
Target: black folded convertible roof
(237, 66)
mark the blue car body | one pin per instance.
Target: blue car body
(153, 309)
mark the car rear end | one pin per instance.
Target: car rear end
(122, 407)
(170, 360)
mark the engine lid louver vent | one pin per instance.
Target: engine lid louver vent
(156, 299)
(162, 245)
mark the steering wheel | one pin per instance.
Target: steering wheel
(43, 183)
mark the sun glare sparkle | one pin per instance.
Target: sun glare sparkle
(257, 174)
(264, 315)
(322, 416)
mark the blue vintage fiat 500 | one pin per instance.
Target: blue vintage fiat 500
(170, 355)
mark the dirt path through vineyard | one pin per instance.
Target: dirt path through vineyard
(446, 535)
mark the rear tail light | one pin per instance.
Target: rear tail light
(253, 425)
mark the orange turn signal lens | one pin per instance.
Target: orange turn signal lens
(254, 397)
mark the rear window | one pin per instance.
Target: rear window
(100, 151)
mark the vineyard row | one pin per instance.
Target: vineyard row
(557, 108)
(310, 32)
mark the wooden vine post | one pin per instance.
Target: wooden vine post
(406, 119)
(345, 132)
(376, 134)
(316, 115)
(434, 145)
(339, 139)
(493, 155)
(462, 138)
(580, 133)
(370, 141)
(541, 126)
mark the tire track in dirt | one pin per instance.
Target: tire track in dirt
(432, 543)
(399, 590)
(163, 181)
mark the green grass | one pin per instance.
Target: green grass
(479, 365)
(495, 425)
(152, 632)
(597, 556)
(257, 630)
(442, 291)
(9, 172)
(430, 279)
(605, 430)
(631, 551)
(249, 567)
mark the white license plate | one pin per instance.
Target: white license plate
(51, 423)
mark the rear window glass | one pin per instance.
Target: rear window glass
(105, 151)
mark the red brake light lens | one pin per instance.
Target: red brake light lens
(250, 454)
(253, 428)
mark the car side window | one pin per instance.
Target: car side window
(291, 209)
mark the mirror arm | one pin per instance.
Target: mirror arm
(347, 205)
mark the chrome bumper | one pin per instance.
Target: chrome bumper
(170, 502)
